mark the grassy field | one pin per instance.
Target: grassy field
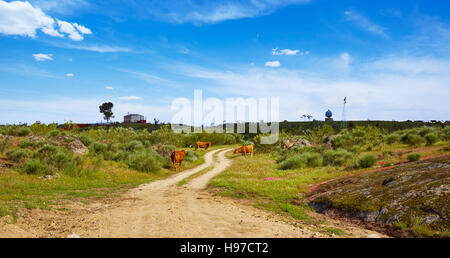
(260, 180)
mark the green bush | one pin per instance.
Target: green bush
(86, 140)
(414, 156)
(35, 166)
(392, 139)
(54, 132)
(431, 139)
(46, 152)
(134, 146)
(313, 159)
(18, 154)
(356, 149)
(146, 161)
(425, 130)
(99, 147)
(412, 138)
(23, 131)
(337, 157)
(62, 160)
(295, 162)
(367, 161)
(191, 156)
(25, 144)
(165, 150)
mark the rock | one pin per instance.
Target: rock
(328, 141)
(73, 143)
(291, 142)
(73, 235)
(419, 193)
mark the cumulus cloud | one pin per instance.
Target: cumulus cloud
(272, 64)
(366, 24)
(109, 88)
(42, 57)
(287, 52)
(70, 75)
(21, 18)
(130, 98)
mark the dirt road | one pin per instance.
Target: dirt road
(163, 209)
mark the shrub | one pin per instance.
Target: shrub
(297, 161)
(25, 144)
(23, 131)
(425, 130)
(99, 148)
(387, 154)
(191, 156)
(411, 138)
(18, 154)
(62, 159)
(46, 152)
(431, 139)
(134, 146)
(313, 159)
(54, 132)
(337, 157)
(414, 156)
(86, 140)
(35, 166)
(367, 161)
(145, 161)
(356, 149)
(392, 139)
(4, 144)
(165, 150)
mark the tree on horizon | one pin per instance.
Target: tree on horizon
(106, 110)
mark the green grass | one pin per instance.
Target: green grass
(260, 180)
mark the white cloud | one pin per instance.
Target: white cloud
(272, 64)
(109, 88)
(344, 60)
(42, 57)
(130, 98)
(69, 28)
(204, 12)
(287, 52)
(98, 48)
(70, 75)
(21, 18)
(365, 24)
(60, 6)
(82, 29)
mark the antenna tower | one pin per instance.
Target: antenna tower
(344, 115)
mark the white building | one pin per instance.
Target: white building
(134, 118)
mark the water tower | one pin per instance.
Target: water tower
(328, 115)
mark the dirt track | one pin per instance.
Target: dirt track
(163, 209)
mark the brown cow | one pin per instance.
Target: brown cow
(177, 158)
(244, 150)
(204, 145)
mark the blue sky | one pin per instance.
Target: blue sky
(60, 60)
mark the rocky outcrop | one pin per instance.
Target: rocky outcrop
(72, 143)
(329, 140)
(409, 196)
(292, 142)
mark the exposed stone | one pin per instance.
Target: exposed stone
(408, 194)
(292, 142)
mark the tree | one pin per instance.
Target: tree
(309, 117)
(106, 110)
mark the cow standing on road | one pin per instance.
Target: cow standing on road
(177, 158)
(204, 145)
